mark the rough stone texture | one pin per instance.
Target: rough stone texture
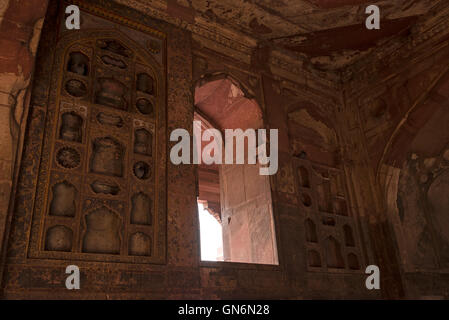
(363, 148)
(20, 29)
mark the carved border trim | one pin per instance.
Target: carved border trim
(91, 8)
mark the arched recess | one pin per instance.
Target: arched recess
(321, 184)
(413, 178)
(94, 75)
(246, 212)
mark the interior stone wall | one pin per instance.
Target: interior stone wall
(20, 30)
(401, 112)
(340, 142)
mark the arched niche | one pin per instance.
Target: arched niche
(349, 237)
(139, 244)
(313, 259)
(353, 262)
(63, 201)
(311, 234)
(334, 255)
(78, 63)
(59, 238)
(304, 179)
(102, 235)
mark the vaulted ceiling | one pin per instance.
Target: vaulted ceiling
(331, 33)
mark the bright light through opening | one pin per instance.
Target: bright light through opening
(211, 236)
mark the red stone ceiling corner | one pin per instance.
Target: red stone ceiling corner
(329, 33)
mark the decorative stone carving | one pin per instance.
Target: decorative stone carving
(63, 200)
(304, 177)
(111, 93)
(59, 238)
(333, 253)
(115, 47)
(311, 235)
(324, 196)
(107, 157)
(145, 83)
(144, 106)
(71, 127)
(143, 142)
(105, 187)
(59, 121)
(110, 119)
(306, 200)
(349, 237)
(68, 158)
(139, 244)
(78, 63)
(329, 221)
(102, 233)
(154, 46)
(141, 209)
(314, 259)
(76, 88)
(142, 170)
(110, 61)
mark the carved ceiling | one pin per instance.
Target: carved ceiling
(329, 33)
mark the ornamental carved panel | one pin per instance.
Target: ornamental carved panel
(100, 175)
(331, 233)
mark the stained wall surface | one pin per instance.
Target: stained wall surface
(86, 177)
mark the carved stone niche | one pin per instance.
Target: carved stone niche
(111, 93)
(143, 142)
(141, 209)
(105, 187)
(107, 157)
(144, 106)
(59, 238)
(71, 127)
(314, 259)
(108, 119)
(145, 83)
(115, 47)
(306, 200)
(63, 201)
(78, 64)
(142, 170)
(113, 62)
(76, 88)
(353, 262)
(304, 180)
(102, 232)
(68, 158)
(349, 237)
(311, 234)
(333, 254)
(139, 245)
(324, 196)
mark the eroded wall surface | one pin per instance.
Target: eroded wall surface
(403, 113)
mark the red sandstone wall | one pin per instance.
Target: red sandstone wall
(332, 139)
(404, 115)
(20, 28)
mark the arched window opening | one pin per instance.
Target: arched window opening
(236, 196)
